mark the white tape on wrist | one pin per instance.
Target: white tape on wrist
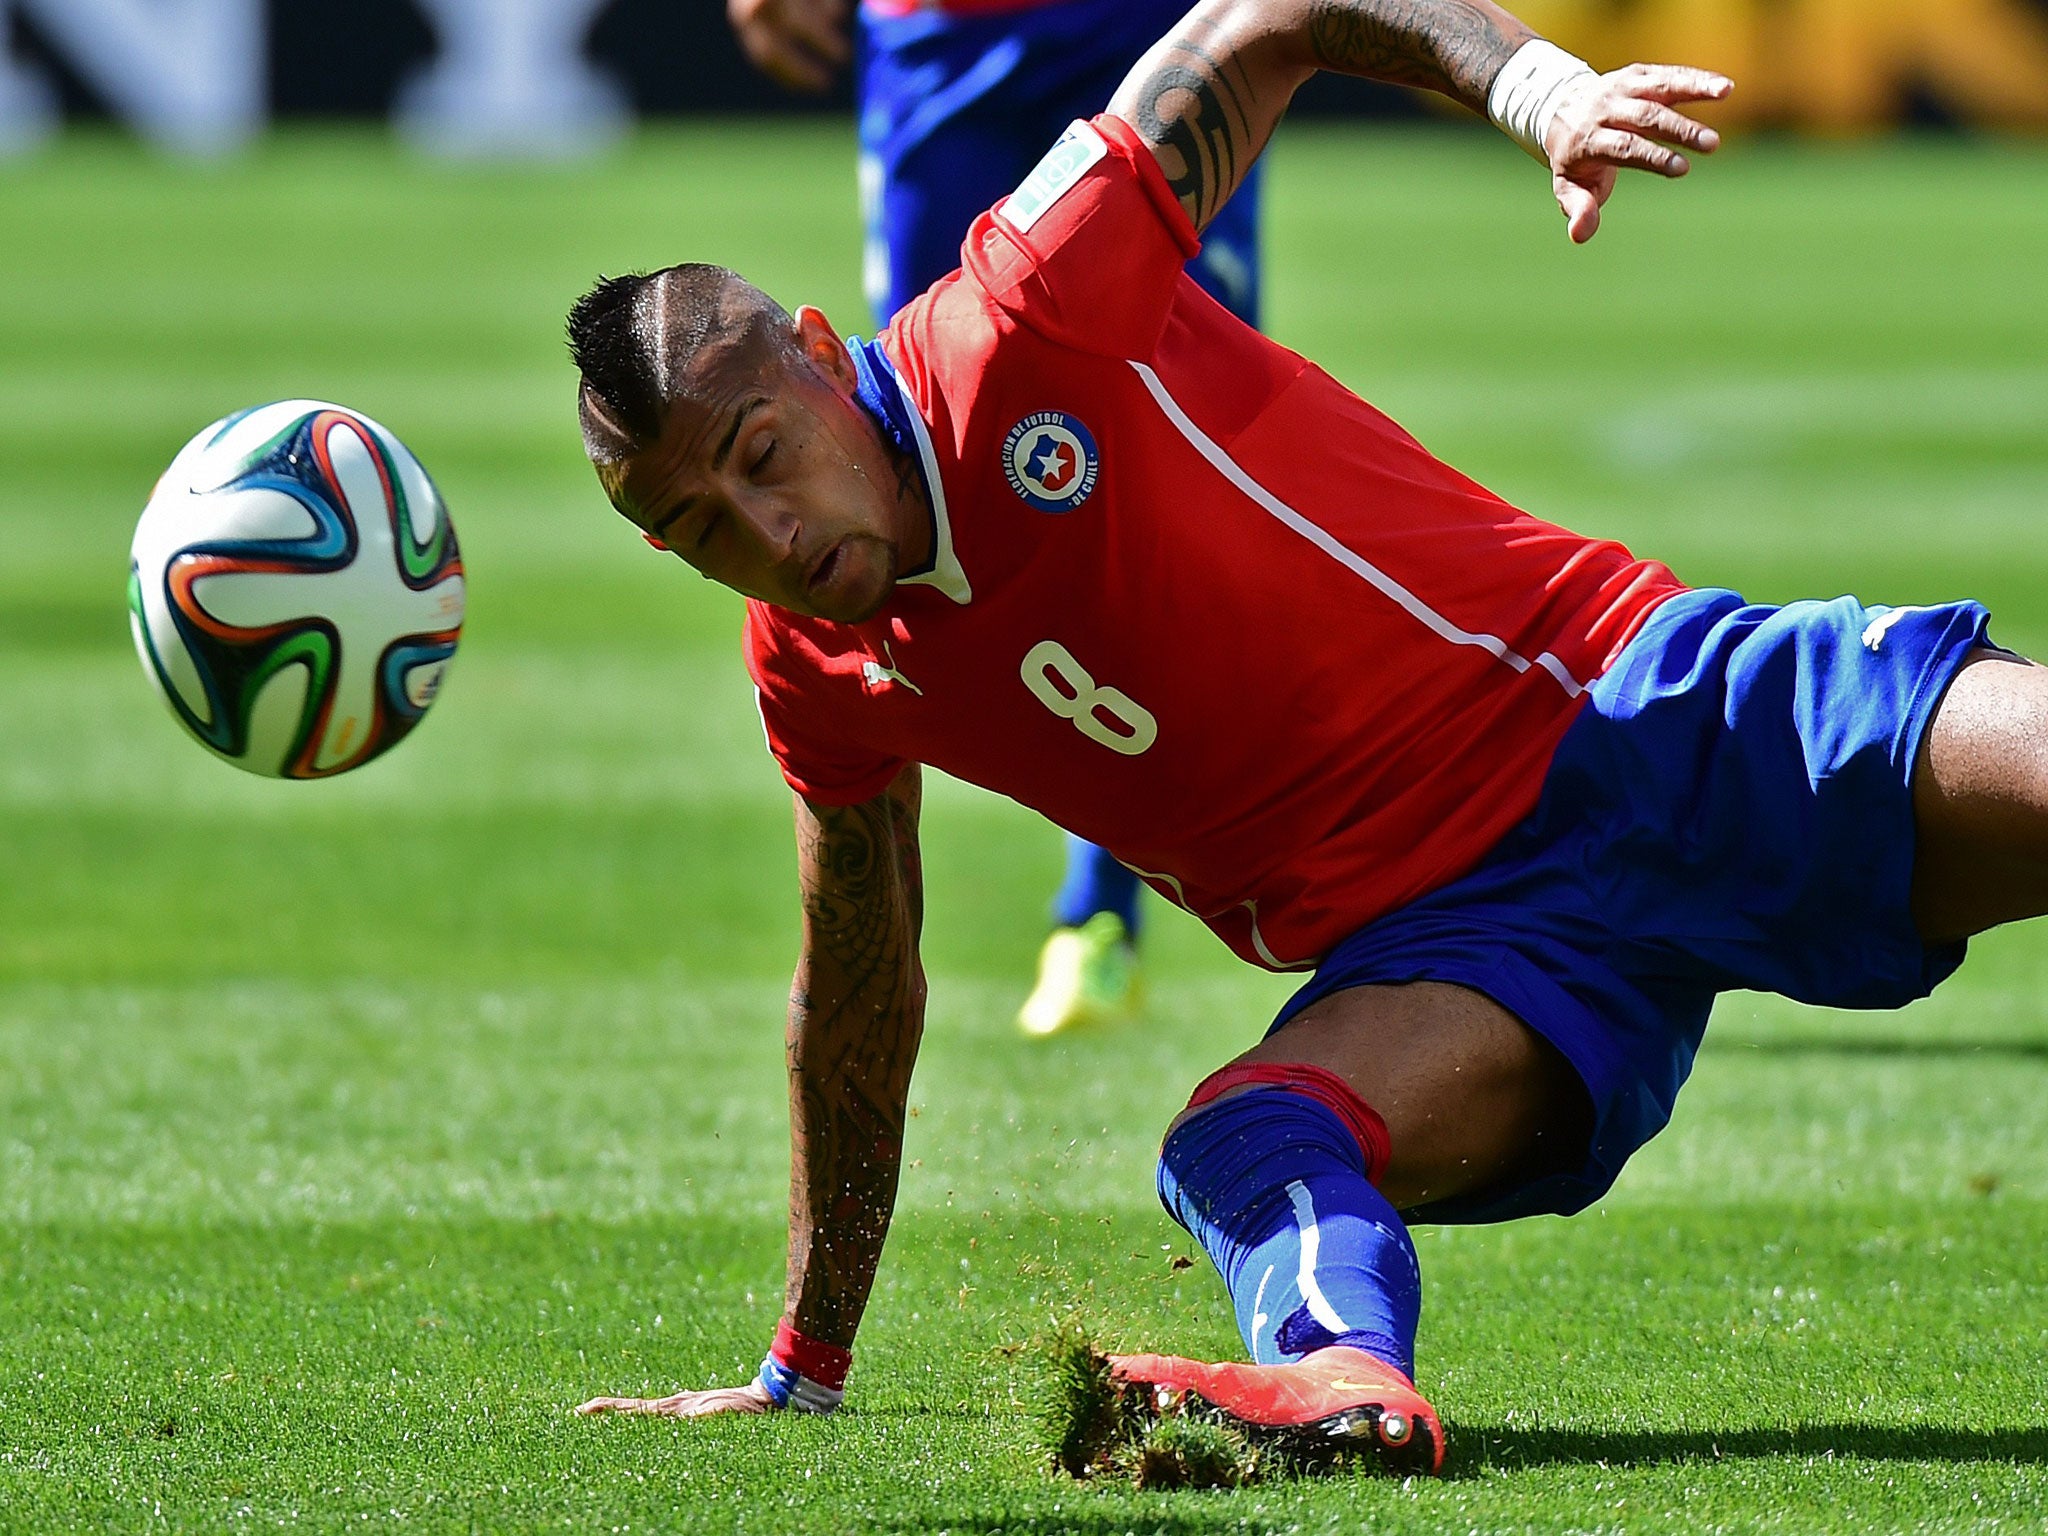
(1525, 92)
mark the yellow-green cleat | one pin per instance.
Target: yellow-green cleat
(1086, 975)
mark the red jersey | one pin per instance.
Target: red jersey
(1191, 598)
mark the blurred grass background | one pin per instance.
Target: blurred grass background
(352, 1131)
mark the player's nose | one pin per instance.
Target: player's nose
(775, 530)
(773, 524)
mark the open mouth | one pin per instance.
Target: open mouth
(826, 568)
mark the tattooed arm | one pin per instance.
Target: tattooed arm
(856, 1013)
(1208, 96)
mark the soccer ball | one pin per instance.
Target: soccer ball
(295, 590)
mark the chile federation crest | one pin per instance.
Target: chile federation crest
(1051, 461)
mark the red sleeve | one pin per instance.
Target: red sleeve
(819, 763)
(1089, 249)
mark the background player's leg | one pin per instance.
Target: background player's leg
(1980, 801)
(952, 117)
(1088, 967)
(1088, 970)
(949, 125)
(1095, 882)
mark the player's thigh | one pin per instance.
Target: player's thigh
(1980, 800)
(1472, 1097)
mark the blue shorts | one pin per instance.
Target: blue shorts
(1732, 809)
(956, 110)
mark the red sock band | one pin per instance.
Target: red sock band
(1325, 1087)
(826, 1364)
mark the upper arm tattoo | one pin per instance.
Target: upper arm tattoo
(1208, 97)
(1196, 108)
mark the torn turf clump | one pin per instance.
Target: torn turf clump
(1099, 1427)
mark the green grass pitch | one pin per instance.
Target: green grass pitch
(350, 1133)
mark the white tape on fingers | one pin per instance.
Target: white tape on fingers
(1525, 93)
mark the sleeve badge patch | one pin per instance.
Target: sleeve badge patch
(1064, 164)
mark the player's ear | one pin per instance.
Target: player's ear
(821, 344)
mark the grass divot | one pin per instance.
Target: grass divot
(1100, 1430)
(1175, 1452)
(1082, 1409)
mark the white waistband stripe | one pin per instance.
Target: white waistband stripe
(1407, 601)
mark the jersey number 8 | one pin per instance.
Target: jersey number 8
(1105, 715)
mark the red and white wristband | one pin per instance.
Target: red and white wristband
(807, 1375)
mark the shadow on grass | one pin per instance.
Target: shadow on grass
(1507, 1448)
(1118, 1510)
(2026, 1050)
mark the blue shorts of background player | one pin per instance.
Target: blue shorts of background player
(1732, 809)
(954, 112)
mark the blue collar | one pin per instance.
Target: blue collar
(882, 394)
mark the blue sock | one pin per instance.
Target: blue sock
(1273, 1187)
(1095, 883)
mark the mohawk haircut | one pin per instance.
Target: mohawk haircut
(633, 339)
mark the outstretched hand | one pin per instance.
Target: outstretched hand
(752, 1398)
(1625, 120)
(801, 43)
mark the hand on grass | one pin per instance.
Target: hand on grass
(752, 1398)
(801, 43)
(1625, 120)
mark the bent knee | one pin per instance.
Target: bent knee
(1470, 1096)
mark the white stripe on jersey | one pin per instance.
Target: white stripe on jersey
(1349, 559)
(1271, 961)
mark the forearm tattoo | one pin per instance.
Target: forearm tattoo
(1452, 46)
(855, 1016)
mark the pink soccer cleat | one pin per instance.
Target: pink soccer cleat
(1328, 1402)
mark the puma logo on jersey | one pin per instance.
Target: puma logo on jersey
(1875, 631)
(875, 675)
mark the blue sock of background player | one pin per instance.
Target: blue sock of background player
(1275, 1187)
(1095, 882)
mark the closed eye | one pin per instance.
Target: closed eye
(761, 461)
(704, 530)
